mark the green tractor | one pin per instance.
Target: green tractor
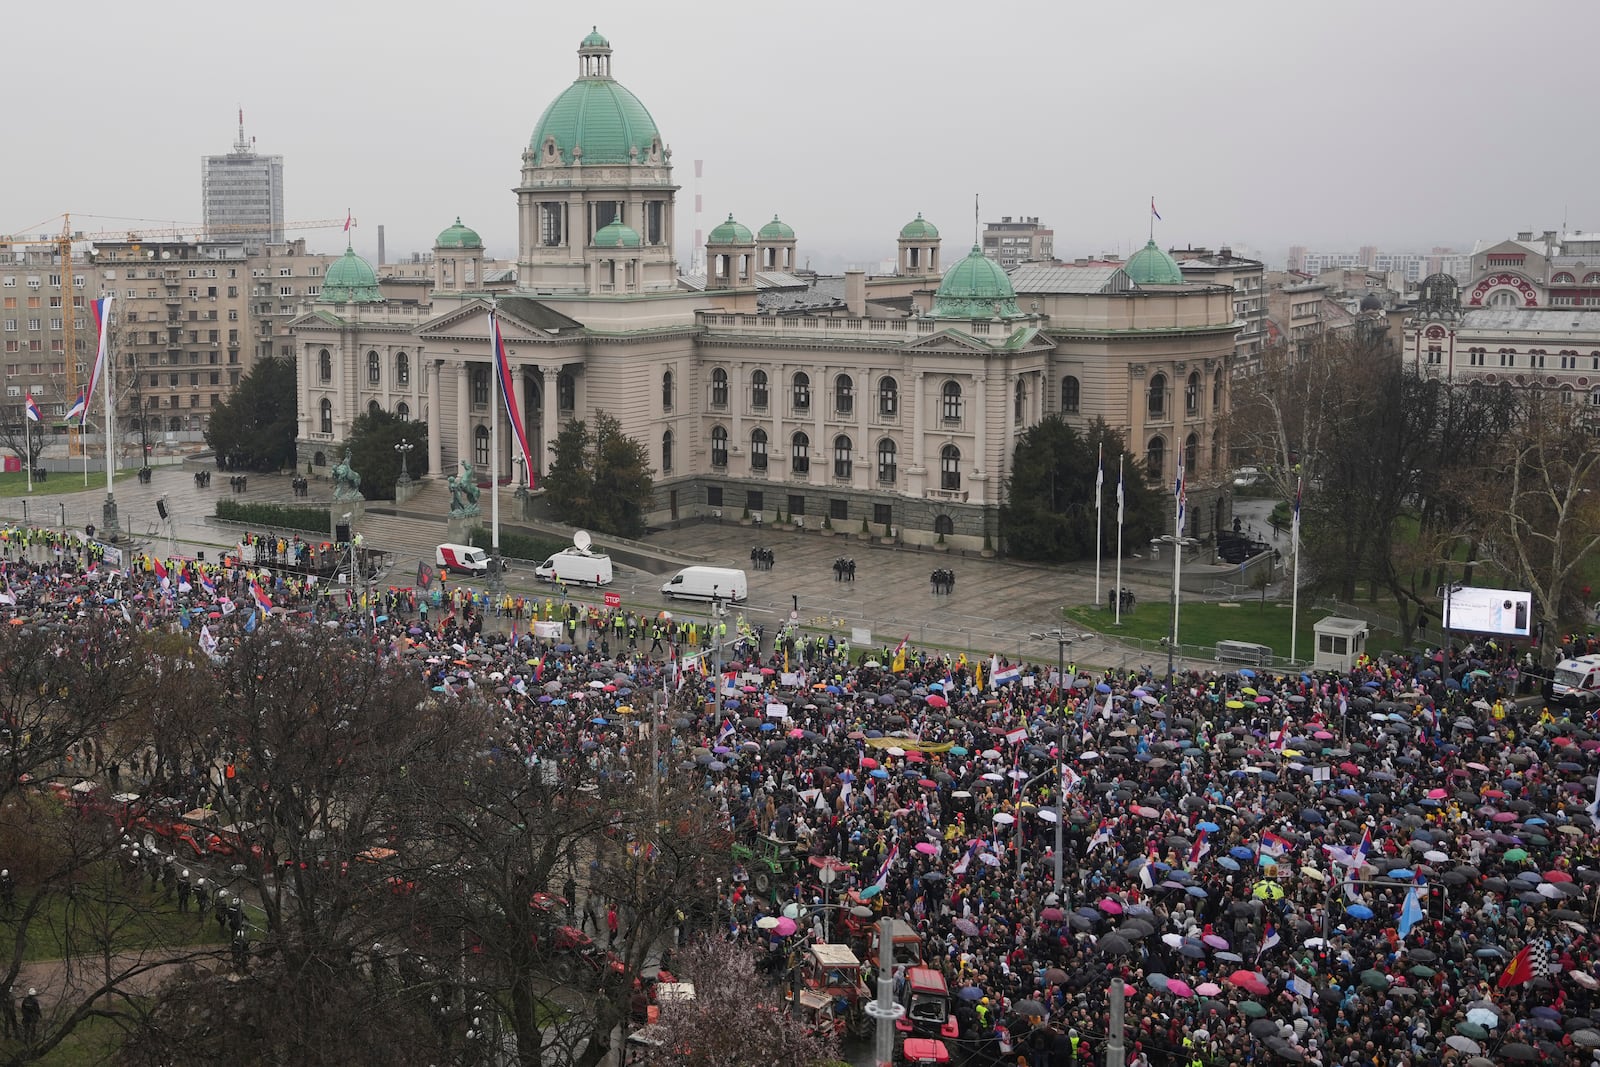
(771, 861)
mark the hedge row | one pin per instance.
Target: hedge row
(275, 516)
(517, 545)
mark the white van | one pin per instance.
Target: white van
(576, 567)
(462, 559)
(1577, 680)
(704, 583)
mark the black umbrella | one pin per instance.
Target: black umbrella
(1114, 945)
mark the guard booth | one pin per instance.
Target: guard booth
(1340, 642)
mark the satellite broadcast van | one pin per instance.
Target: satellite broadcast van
(707, 583)
(578, 565)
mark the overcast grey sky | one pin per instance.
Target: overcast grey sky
(1401, 124)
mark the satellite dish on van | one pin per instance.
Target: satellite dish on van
(581, 540)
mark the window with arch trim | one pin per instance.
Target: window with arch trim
(844, 398)
(373, 407)
(758, 390)
(325, 366)
(719, 446)
(719, 387)
(1216, 391)
(802, 391)
(374, 369)
(666, 390)
(1191, 394)
(1156, 397)
(1191, 454)
(800, 453)
(666, 452)
(1071, 395)
(888, 456)
(950, 467)
(888, 397)
(944, 525)
(843, 466)
(758, 450)
(950, 401)
(402, 369)
(480, 446)
(403, 410)
(326, 409)
(1019, 403)
(1155, 458)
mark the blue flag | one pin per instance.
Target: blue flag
(1411, 909)
(250, 623)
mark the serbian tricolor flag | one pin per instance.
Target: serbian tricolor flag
(882, 881)
(1273, 845)
(31, 409)
(263, 601)
(159, 568)
(1101, 836)
(79, 408)
(207, 584)
(1201, 847)
(502, 367)
(101, 310)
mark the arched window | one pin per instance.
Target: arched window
(1191, 394)
(950, 401)
(1156, 401)
(802, 392)
(666, 390)
(1216, 392)
(800, 453)
(719, 388)
(758, 390)
(319, 459)
(1503, 298)
(843, 394)
(944, 525)
(888, 455)
(175, 424)
(1563, 279)
(480, 446)
(666, 452)
(402, 369)
(327, 415)
(480, 385)
(842, 465)
(1191, 453)
(1071, 395)
(325, 366)
(566, 392)
(403, 411)
(758, 450)
(1019, 402)
(374, 369)
(888, 397)
(373, 408)
(1155, 458)
(949, 467)
(719, 446)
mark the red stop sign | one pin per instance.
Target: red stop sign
(613, 600)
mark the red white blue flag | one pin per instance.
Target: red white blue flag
(79, 408)
(101, 310)
(31, 409)
(263, 601)
(502, 367)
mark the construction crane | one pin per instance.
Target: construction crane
(63, 242)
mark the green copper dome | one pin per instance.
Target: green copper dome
(919, 229)
(351, 280)
(595, 40)
(730, 233)
(616, 235)
(595, 120)
(776, 231)
(1151, 266)
(975, 288)
(459, 236)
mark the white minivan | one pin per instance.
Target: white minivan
(707, 583)
(462, 559)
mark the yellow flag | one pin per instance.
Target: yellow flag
(977, 675)
(899, 663)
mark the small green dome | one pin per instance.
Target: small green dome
(616, 235)
(595, 40)
(351, 280)
(730, 233)
(459, 236)
(776, 231)
(919, 229)
(597, 116)
(1151, 266)
(975, 288)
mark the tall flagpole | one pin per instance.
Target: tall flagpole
(1177, 566)
(108, 516)
(1118, 589)
(1099, 482)
(1294, 610)
(494, 430)
(27, 445)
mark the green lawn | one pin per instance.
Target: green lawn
(1206, 623)
(58, 482)
(82, 925)
(93, 1042)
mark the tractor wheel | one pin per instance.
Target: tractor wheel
(762, 880)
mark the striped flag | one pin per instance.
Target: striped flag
(263, 601)
(1268, 942)
(1119, 492)
(1274, 845)
(1101, 836)
(31, 409)
(101, 310)
(1198, 851)
(882, 880)
(1153, 212)
(1099, 475)
(79, 409)
(1181, 495)
(502, 367)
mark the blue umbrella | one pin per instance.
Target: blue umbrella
(870, 892)
(879, 772)
(1358, 911)
(835, 690)
(970, 993)
(563, 648)
(769, 726)
(1312, 815)
(957, 750)
(1195, 891)
(1228, 863)
(847, 776)
(1370, 685)
(730, 704)
(558, 702)
(598, 721)
(1101, 687)
(874, 733)
(1239, 852)
(1208, 826)
(1404, 874)
(1267, 861)
(1268, 776)
(1246, 672)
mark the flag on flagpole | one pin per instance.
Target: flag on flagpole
(1147, 876)
(263, 601)
(1153, 212)
(1101, 836)
(159, 569)
(1070, 780)
(31, 409)
(79, 408)
(1119, 493)
(1268, 942)
(1199, 849)
(1411, 909)
(508, 392)
(101, 310)
(1274, 845)
(208, 585)
(897, 662)
(250, 624)
(424, 575)
(1181, 495)
(1099, 474)
(1594, 805)
(882, 880)
(1008, 674)
(1282, 740)
(349, 219)
(1519, 970)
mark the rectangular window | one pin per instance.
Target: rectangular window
(755, 500)
(285, 272)
(550, 229)
(797, 504)
(838, 510)
(714, 496)
(883, 514)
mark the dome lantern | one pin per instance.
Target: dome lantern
(976, 288)
(458, 236)
(595, 119)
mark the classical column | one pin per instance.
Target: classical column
(918, 419)
(980, 425)
(463, 422)
(1008, 441)
(548, 402)
(435, 422)
(865, 443)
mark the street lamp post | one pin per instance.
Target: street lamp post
(403, 449)
(1062, 640)
(1178, 544)
(1444, 623)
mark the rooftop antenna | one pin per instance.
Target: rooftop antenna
(976, 235)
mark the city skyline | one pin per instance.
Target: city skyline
(845, 123)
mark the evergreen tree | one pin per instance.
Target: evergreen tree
(254, 428)
(600, 480)
(1049, 513)
(371, 444)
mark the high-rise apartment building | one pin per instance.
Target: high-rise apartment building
(242, 194)
(1014, 241)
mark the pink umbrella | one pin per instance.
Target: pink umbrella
(927, 848)
(1145, 812)
(1207, 989)
(785, 926)
(1504, 816)
(1323, 735)
(1179, 988)
(1110, 907)
(1438, 794)
(1263, 699)
(1214, 941)
(1476, 767)
(797, 732)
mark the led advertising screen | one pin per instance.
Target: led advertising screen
(1489, 611)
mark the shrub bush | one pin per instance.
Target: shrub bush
(276, 516)
(517, 545)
